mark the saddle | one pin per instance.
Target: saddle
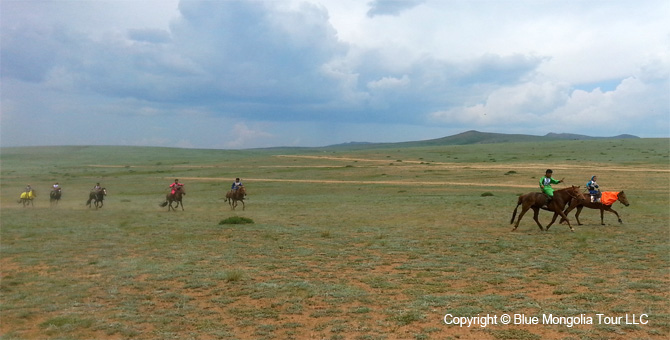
(595, 198)
(549, 199)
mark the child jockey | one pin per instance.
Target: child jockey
(545, 184)
(174, 186)
(593, 189)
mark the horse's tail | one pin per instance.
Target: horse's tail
(88, 203)
(518, 203)
(164, 204)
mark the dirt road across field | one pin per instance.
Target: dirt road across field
(485, 166)
(328, 181)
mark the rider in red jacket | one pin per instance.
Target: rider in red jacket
(175, 185)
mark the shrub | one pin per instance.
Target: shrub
(486, 194)
(233, 275)
(236, 220)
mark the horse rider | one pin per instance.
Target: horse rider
(236, 185)
(174, 186)
(545, 184)
(28, 189)
(55, 187)
(97, 187)
(594, 189)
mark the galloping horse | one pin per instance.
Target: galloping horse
(233, 196)
(27, 198)
(54, 196)
(604, 205)
(536, 201)
(97, 196)
(176, 197)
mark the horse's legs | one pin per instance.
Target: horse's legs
(553, 218)
(602, 212)
(180, 202)
(579, 211)
(573, 204)
(523, 212)
(560, 212)
(615, 213)
(536, 214)
(242, 204)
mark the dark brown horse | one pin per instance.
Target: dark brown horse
(233, 196)
(538, 200)
(586, 202)
(54, 196)
(97, 196)
(176, 197)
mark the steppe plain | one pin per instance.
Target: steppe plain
(376, 242)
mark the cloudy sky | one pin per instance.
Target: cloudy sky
(244, 74)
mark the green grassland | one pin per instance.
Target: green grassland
(374, 242)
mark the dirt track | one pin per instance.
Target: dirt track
(480, 166)
(406, 165)
(328, 181)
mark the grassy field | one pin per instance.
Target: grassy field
(344, 244)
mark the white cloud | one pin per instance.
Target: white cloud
(388, 83)
(391, 7)
(241, 136)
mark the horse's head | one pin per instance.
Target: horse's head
(103, 191)
(622, 198)
(573, 191)
(242, 190)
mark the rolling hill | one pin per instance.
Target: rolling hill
(477, 137)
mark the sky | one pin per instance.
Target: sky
(250, 74)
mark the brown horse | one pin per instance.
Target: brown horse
(176, 197)
(538, 200)
(54, 196)
(586, 202)
(233, 196)
(97, 196)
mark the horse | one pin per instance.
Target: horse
(176, 197)
(27, 198)
(233, 196)
(538, 200)
(54, 196)
(97, 196)
(604, 205)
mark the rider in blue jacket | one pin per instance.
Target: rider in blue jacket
(593, 189)
(236, 185)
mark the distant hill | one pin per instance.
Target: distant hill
(476, 137)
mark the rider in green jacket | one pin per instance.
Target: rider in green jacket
(545, 184)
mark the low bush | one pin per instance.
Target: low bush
(236, 220)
